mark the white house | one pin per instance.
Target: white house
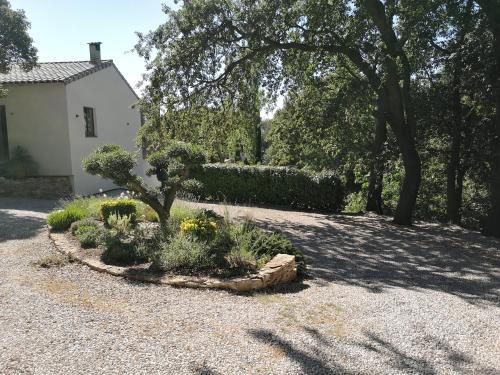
(61, 111)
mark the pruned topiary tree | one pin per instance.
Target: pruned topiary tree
(170, 165)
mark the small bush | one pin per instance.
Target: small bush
(89, 236)
(121, 224)
(268, 245)
(182, 253)
(121, 252)
(62, 219)
(242, 260)
(180, 212)
(138, 246)
(90, 205)
(120, 207)
(268, 185)
(87, 222)
(199, 228)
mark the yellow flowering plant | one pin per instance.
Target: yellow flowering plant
(199, 228)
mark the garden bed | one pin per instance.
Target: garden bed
(196, 248)
(281, 269)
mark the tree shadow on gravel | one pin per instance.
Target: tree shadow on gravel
(15, 227)
(23, 218)
(315, 356)
(309, 362)
(371, 252)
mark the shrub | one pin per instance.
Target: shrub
(181, 212)
(270, 185)
(88, 235)
(120, 207)
(121, 224)
(87, 222)
(241, 260)
(199, 228)
(182, 253)
(122, 252)
(138, 246)
(268, 245)
(90, 205)
(62, 219)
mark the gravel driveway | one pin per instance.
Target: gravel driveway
(382, 300)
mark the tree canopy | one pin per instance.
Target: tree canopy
(427, 70)
(16, 46)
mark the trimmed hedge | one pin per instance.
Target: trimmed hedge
(120, 207)
(282, 186)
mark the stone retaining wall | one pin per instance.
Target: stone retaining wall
(279, 270)
(47, 187)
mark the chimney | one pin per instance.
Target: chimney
(95, 52)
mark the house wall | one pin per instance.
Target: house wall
(115, 122)
(37, 120)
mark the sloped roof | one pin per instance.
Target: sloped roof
(64, 72)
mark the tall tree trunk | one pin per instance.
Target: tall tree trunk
(258, 141)
(411, 182)
(492, 222)
(454, 179)
(400, 112)
(375, 185)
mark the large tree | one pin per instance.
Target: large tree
(16, 46)
(491, 9)
(207, 46)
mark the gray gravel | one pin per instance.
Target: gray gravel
(382, 300)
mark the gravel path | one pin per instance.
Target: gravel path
(383, 300)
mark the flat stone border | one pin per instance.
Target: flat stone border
(279, 270)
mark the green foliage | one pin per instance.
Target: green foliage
(242, 259)
(122, 225)
(264, 244)
(119, 252)
(271, 185)
(20, 165)
(181, 212)
(182, 253)
(62, 219)
(16, 45)
(171, 166)
(88, 235)
(118, 207)
(87, 222)
(201, 229)
(90, 205)
(112, 162)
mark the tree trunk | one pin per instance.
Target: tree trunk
(454, 179)
(400, 112)
(492, 222)
(411, 183)
(375, 185)
(258, 142)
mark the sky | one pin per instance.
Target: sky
(61, 29)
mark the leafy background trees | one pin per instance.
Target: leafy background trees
(400, 98)
(16, 46)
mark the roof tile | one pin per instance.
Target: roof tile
(53, 72)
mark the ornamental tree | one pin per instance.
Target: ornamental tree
(170, 166)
